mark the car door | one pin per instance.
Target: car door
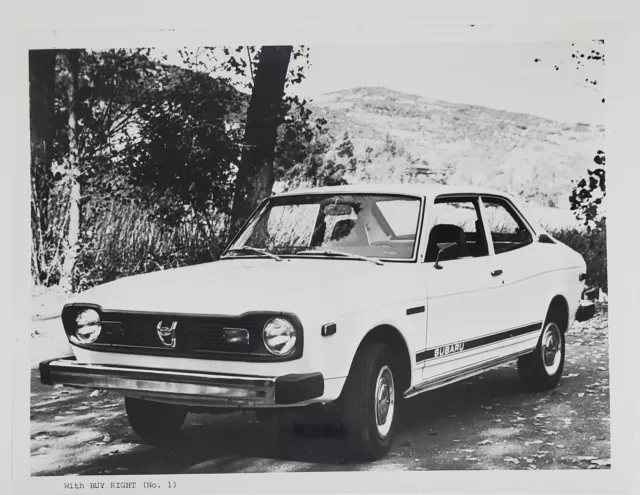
(461, 303)
(517, 265)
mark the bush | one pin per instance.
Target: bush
(592, 245)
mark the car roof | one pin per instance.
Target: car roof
(423, 190)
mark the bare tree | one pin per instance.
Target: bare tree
(73, 175)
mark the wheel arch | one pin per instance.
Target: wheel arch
(391, 336)
(559, 308)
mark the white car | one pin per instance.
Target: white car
(351, 297)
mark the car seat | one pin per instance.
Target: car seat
(446, 233)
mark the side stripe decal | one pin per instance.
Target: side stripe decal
(456, 347)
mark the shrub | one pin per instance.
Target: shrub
(592, 245)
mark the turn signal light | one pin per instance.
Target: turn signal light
(328, 329)
(236, 335)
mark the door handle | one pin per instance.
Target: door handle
(495, 273)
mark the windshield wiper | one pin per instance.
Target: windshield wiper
(261, 251)
(331, 252)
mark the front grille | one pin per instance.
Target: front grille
(192, 333)
(210, 337)
(196, 336)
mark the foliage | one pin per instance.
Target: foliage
(587, 60)
(298, 127)
(159, 145)
(311, 163)
(389, 160)
(592, 245)
(155, 136)
(588, 195)
(150, 130)
(186, 150)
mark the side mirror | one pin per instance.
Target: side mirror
(443, 246)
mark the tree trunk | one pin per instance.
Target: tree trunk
(73, 176)
(254, 180)
(41, 115)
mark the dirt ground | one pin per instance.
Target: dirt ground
(487, 422)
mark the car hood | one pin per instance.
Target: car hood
(236, 286)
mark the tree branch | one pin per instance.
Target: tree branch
(250, 64)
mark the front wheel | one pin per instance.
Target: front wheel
(542, 369)
(371, 398)
(156, 423)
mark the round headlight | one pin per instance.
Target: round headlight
(88, 326)
(279, 336)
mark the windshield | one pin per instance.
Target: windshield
(378, 226)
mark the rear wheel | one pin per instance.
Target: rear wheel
(542, 369)
(155, 422)
(371, 397)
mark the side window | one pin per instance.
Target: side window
(508, 231)
(456, 220)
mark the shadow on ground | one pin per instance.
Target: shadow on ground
(239, 442)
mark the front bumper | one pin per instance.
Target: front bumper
(186, 387)
(585, 311)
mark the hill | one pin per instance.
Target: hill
(525, 155)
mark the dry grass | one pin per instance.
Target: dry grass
(127, 241)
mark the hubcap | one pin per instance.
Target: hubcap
(551, 348)
(384, 401)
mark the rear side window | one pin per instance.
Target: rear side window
(508, 231)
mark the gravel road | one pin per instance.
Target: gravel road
(487, 422)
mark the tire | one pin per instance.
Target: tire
(157, 423)
(370, 423)
(541, 370)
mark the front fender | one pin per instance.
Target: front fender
(333, 355)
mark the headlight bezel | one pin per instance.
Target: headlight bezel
(293, 332)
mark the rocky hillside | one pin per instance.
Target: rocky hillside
(530, 156)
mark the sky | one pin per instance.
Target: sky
(501, 75)
(498, 75)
